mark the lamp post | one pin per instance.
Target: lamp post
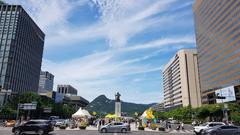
(225, 108)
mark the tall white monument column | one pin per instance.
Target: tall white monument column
(117, 105)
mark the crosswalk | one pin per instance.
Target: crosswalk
(180, 131)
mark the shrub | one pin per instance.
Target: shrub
(140, 128)
(62, 126)
(83, 125)
(153, 126)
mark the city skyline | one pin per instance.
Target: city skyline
(99, 49)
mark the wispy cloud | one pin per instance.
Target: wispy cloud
(162, 42)
(122, 22)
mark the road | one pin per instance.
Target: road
(7, 131)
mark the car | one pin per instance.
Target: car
(115, 127)
(53, 119)
(33, 126)
(198, 129)
(222, 130)
(59, 122)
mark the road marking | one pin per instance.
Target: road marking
(114, 133)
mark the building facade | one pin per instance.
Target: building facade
(45, 82)
(159, 107)
(217, 27)
(66, 90)
(76, 101)
(181, 82)
(21, 50)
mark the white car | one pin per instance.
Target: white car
(198, 129)
(59, 122)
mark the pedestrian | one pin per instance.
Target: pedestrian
(136, 123)
(103, 122)
(166, 122)
(182, 126)
(99, 124)
(179, 127)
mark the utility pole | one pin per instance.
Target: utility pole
(225, 110)
(18, 111)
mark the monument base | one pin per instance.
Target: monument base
(118, 109)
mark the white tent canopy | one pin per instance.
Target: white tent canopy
(143, 115)
(81, 113)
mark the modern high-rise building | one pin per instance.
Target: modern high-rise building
(217, 27)
(181, 82)
(66, 90)
(21, 50)
(45, 82)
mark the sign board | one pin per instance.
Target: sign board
(28, 106)
(228, 93)
(47, 110)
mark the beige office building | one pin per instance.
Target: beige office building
(181, 82)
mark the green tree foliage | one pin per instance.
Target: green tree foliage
(10, 109)
(203, 113)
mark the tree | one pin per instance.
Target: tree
(8, 112)
(62, 110)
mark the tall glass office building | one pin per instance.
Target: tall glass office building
(217, 27)
(21, 49)
(45, 82)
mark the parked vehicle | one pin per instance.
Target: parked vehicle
(198, 129)
(222, 130)
(59, 122)
(33, 126)
(53, 119)
(115, 127)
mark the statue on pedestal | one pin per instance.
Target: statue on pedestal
(117, 97)
(117, 104)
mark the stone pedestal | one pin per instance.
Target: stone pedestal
(118, 109)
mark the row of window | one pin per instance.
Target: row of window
(204, 20)
(171, 77)
(219, 12)
(218, 41)
(225, 62)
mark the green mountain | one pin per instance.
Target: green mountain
(105, 105)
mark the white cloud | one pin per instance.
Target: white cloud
(51, 15)
(119, 21)
(162, 42)
(125, 18)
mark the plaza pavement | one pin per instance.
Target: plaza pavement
(93, 131)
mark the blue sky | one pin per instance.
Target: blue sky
(104, 46)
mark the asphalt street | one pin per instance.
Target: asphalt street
(7, 131)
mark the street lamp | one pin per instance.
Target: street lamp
(225, 108)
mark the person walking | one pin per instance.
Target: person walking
(182, 126)
(99, 124)
(166, 122)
